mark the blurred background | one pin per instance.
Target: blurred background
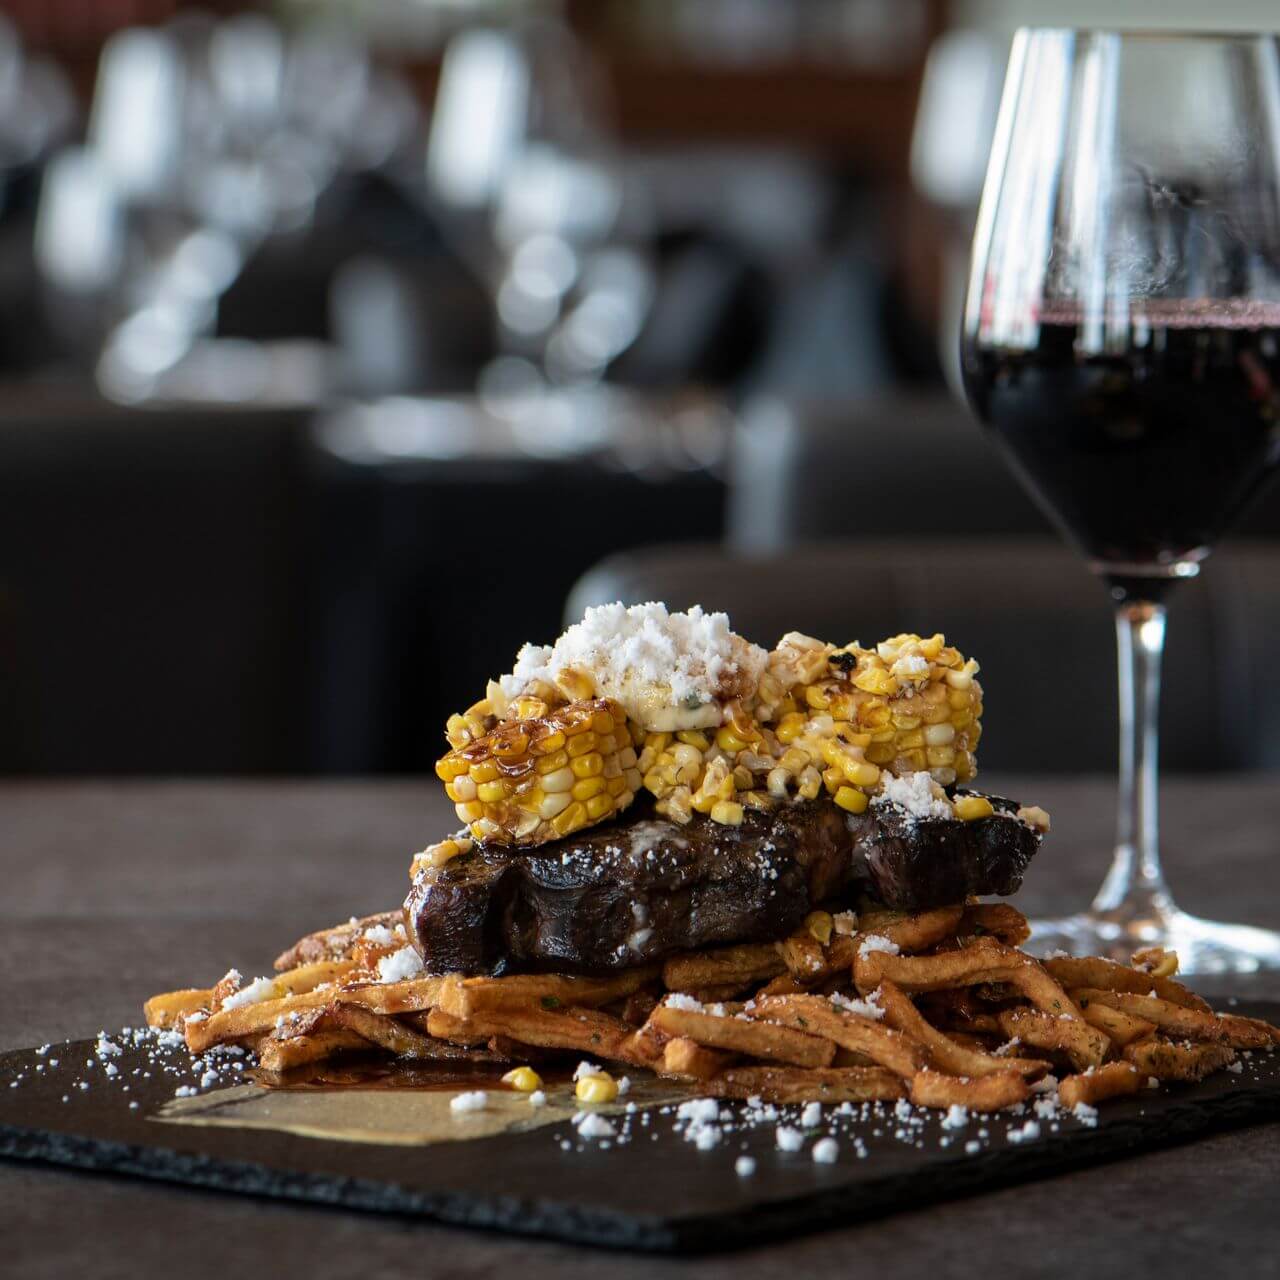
(345, 346)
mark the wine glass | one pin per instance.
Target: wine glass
(1122, 344)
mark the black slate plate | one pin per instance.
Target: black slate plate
(659, 1194)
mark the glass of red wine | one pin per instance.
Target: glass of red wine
(1122, 345)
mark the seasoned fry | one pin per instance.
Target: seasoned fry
(819, 1016)
(1114, 1080)
(983, 1093)
(465, 997)
(336, 942)
(1173, 1019)
(686, 1058)
(918, 932)
(1107, 975)
(248, 1019)
(990, 962)
(755, 1039)
(579, 1030)
(1186, 1062)
(287, 1054)
(740, 967)
(413, 995)
(792, 1084)
(384, 1031)
(170, 1007)
(307, 977)
(1120, 1028)
(1084, 1045)
(996, 920)
(945, 1053)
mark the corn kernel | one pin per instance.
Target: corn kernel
(523, 1079)
(970, 807)
(491, 792)
(819, 925)
(817, 698)
(727, 740)
(484, 771)
(694, 738)
(598, 806)
(727, 812)
(552, 742)
(602, 722)
(549, 764)
(596, 1088)
(450, 767)
(570, 820)
(585, 788)
(587, 766)
(471, 812)
(852, 800)
(581, 743)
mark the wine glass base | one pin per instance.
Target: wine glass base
(1203, 946)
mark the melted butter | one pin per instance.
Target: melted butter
(385, 1110)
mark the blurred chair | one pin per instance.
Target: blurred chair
(1029, 611)
(809, 470)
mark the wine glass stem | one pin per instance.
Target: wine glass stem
(1134, 889)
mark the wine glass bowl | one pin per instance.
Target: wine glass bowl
(1122, 345)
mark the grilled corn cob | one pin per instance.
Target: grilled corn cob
(541, 773)
(825, 719)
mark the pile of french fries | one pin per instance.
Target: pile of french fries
(939, 1007)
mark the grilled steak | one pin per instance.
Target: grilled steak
(642, 887)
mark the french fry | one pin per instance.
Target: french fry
(335, 943)
(945, 1053)
(980, 1093)
(249, 1019)
(1166, 1060)
(1120, 1028)
(412, 995)
(585, 1031)
(1114, 1080)
(688, 1059)
(1107, 975)
(384, 1031)
(444, 1026)
(989, 962)
(996, 920)
(740, 967)
(1084, 1045)
(170, 1007)
(783, 985)
(466, 997)
(307, 977)
(919, 931)
(310, 1038)
(793, 1084)
(818, 1016)
(1175, 1020)
(737, 1035)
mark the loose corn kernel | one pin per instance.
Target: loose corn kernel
(727, 740)
(819, 925)
(694, 738)
(523, 1079)
(851, 799)
(809, 783)
(970, 807)
(596, 1088)
(727, 812)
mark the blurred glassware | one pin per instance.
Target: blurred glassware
(205, 138)
(528, 185)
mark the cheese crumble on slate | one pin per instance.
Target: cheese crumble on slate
(463, 1103)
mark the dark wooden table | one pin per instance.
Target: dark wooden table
(109, 892)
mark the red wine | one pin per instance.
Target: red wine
(1144, 453)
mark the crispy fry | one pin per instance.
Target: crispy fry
(336, 942)
(996, 920)
(579, 1030)
(444, 1026)
(946, 1054)
(1084, 1045)
(686, 1058)
(819, 1016)
(738, 1035)
(793, 1084)
(783, 985)
(466, 997)
(1121, 1028)
(170, 1007)
(1107, 975)
(740, 966)
(920, 931)
(989, 962)
(983, 1093)
(1175, 1020)
(384, 1031)
(1113, 1080)
(1186, 1062)
(807, 960)
(310, 1038)
(413, 995)
(307, 977)
(249, 1019)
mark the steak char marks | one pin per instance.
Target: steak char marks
(642, 887)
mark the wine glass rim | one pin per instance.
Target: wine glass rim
(1209, 36)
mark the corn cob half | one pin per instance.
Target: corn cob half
(531, 778)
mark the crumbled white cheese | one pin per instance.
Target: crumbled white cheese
(1086, 1114)
(877, 942)
(258, 990)
(744, 1166)
(826, 1151)
(811, 1116)
(537, 1098)
(956, 1118)
(916, 793)
(687, 1004)
(845, 923)
(788, 1139)
(865, 1008)
(585, 1068)
(380, 936)
(463, 1103)
(699, 1110)
(1028, 1133)
(400, 965)
(595, 1126)
(669, 670)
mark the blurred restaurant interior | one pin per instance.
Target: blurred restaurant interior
(346, 346)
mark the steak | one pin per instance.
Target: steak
(643, 887)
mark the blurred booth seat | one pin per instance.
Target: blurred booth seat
(1033, 616)
(879, 467)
